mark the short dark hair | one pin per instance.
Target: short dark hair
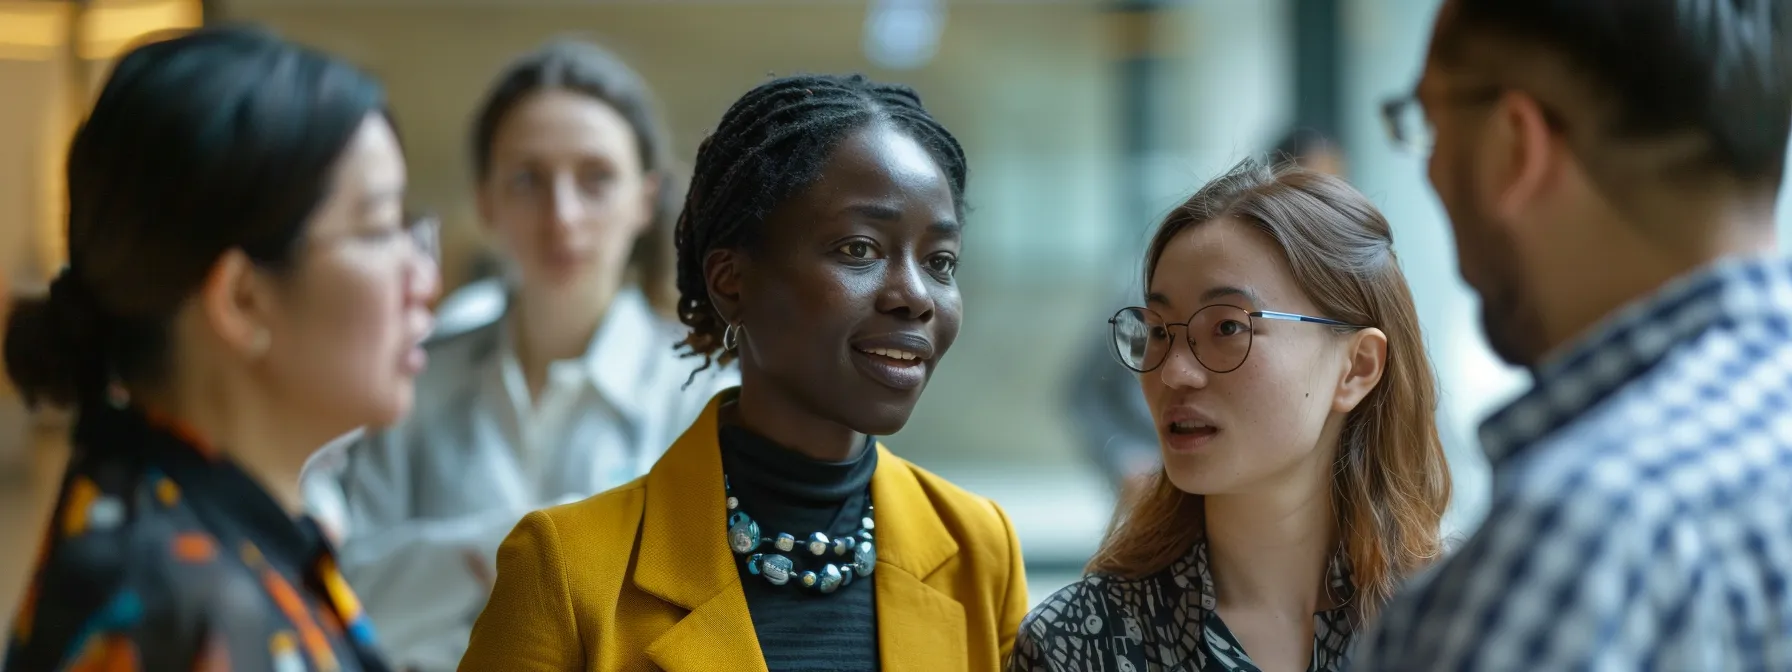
(1720, 68)
(224, 138)
(575, 66)
(772, 143)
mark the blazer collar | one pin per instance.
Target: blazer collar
(919, 626)
(911, 537)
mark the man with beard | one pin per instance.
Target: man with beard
(1610, 169)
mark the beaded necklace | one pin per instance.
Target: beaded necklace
(827, 564)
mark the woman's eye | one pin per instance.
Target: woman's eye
(595, 182)
(944, 264)
(857, 249)
(1230, 328)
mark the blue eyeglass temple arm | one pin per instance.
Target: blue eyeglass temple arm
(1291, 317)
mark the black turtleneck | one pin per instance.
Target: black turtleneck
(786, 491)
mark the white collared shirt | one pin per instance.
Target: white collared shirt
(416, 504)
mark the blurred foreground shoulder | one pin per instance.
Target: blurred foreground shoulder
(118, 588)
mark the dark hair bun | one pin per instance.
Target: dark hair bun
(53, 350)
(219, 139)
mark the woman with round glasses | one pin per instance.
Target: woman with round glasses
(242, 286)
(1302, 479)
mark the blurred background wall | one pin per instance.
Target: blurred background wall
(1084, 121)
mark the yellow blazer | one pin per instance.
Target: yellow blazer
(641, 577)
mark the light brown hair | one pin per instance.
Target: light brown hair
(1391, 484)
(584, 68)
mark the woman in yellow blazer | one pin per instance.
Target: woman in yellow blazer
(817, 246)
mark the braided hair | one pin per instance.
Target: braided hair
(772, 143)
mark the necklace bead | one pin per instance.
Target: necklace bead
(830, 579)
(743, 533)
(776, 569)
(865, 558)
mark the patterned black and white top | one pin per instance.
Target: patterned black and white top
(1162, 622)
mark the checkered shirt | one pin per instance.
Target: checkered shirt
(1642, 501)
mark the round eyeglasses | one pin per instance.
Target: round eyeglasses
(1219, 335)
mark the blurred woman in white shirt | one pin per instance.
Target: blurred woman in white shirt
(568, 386)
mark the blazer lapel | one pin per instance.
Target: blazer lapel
(717, 635)
(687, 566)
(919, 627)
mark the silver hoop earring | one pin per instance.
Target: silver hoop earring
(731, 337)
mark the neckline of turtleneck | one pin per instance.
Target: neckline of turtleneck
(760, 464)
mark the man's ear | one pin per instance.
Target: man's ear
(1528, 141)
(722, 276)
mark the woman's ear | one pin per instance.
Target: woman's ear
(721, 273)
(238, 304)
(1365, 359)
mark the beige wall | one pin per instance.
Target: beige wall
(34, 135)
(1024, 87)
(43, 106)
